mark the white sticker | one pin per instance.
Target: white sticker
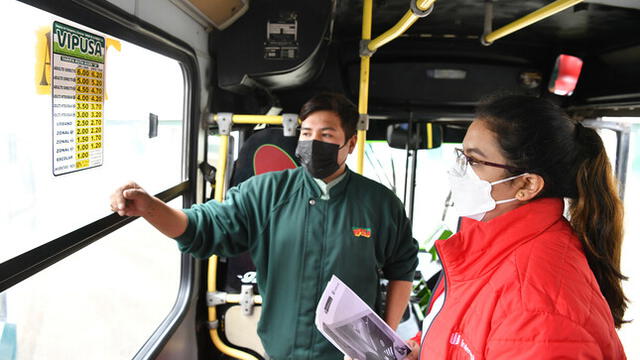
(78, 99)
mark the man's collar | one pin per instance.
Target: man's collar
(325, 188)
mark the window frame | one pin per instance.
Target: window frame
(108, 18)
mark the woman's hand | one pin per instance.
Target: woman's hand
(413, 355)
(415, 350)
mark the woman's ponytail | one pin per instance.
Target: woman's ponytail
(597, 218)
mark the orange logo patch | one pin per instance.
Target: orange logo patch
(361, 232)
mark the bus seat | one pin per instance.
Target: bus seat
(264, 151)
(237, 325)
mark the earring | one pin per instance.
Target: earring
(520, 194)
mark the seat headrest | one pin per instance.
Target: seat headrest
(264, 151)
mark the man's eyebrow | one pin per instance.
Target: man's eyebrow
(323, 129)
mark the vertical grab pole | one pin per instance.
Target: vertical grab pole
(222, 168)
(363, 98)
(224, 125)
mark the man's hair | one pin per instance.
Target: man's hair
(339, 104)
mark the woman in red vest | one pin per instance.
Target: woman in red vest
(520, 280)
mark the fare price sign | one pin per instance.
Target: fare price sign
(78, 99)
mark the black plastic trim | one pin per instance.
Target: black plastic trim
(33, 261)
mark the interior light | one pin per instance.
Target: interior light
(565, 75)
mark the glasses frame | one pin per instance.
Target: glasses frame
(470, 159)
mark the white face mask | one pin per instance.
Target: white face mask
(472, 195)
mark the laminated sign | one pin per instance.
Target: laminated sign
(77, 99)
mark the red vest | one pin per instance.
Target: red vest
(519, 287)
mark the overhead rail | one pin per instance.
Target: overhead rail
(418, 9)
(257, 119)
(540, 14)
(225, 121)
(289, 123)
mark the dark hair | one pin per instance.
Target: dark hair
(339, 104)
(538, 136)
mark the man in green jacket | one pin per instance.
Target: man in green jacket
(301, 227)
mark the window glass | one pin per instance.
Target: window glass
(103, 302)
(631, 247)
(387, 165)
(40, 206)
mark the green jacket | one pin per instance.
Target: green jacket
(298, 241)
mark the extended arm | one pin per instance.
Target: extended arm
(398, 294)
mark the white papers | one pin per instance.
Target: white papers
(351, 326)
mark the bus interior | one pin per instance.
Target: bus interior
(191, 97)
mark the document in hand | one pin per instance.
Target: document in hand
(349, 324)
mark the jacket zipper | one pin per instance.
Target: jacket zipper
(321, 270)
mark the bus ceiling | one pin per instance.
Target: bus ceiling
(279, 53)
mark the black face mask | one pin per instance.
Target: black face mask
(318, 157)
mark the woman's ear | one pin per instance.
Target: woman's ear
(530, 186)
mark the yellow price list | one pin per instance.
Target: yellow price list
(88, 106)
(88, 81)
(86, 72)
(88, 90)
(88, 114)
(80, 148)
(82, 155)
(92, 98)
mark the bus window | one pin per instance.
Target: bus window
(430, 217)
(387, 166)
(106, 299)
(630, 247)
(42, 206)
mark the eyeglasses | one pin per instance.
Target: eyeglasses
(463, 160)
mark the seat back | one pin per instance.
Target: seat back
(264, 151)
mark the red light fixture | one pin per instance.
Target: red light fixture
(565, 75)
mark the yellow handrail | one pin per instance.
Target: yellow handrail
(235, 299)
(213, 260)
(363, 96)
(542, 13)
(400, 27)
(215, 337)
(255, 119)
(365, 61)
(222, 167)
